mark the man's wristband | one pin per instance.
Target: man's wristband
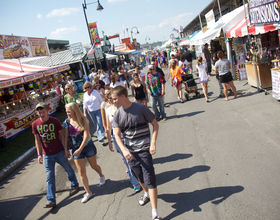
(39, 155)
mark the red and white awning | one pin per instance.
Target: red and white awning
(240, 29)
(12, 73)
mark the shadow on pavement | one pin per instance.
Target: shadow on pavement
(185, 115)
(182, 174)
(171, 158)
(184, 202)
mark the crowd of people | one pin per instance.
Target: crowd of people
(123, 123)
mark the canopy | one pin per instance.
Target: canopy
(226, 22)
(111, 56)
(13, 73)
(240, 29)
(196, 40)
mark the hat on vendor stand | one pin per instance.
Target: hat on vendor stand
(41, 105)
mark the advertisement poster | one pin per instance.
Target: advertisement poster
(14, 47)
(94, 33)
(76, 49)
(14, 125)
(210, 18)
(275, 77)
(265, 11)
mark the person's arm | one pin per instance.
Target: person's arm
(125, 152)
(154, 137)
(38, 144)
(109, 133)
(229, 66)
(132, 92)
(169, 73)
(85, 140)
(104, 121)
(64, 143)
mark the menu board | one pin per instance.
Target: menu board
(275, 77)
(14, 47)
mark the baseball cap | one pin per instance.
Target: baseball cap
(41, 105)
(150, 67)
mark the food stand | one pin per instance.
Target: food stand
(22, 86)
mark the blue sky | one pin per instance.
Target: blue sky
(64, 19)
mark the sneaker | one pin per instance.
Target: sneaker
(74, 191)
(49, 205)
(164, 119)
(103, 144)
(157, 218)
(102, 180)
(137, 189)
(86, 197)
(182, 101)
(178, 98)
(143, 200)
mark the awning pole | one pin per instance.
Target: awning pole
(21, 70)
(200, 21)
(220, 11)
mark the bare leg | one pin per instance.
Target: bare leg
(225, 91)
(80, 164)
(93, 163)
(204, 87)
(233, 88)
(153, 193)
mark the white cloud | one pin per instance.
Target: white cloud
(39, 16)
(61, 12)
(110, 1)
(176, 21)
(60, 33)
(147, 29)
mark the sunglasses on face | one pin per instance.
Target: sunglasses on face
(67, 88)
(86, 87)
(97, 84)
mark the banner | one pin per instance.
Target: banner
(14, 47)
(134, 42)
(14, 125)
(210, 18)
(265, 11)
(94, 33)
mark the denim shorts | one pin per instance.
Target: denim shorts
(88, 151)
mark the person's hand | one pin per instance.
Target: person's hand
(77, 152)
(149, 91)
(85, 115)
(134, 99)
(106, 135)
(127, 155)
(147, 99)
(153, 149)
(40, 159)
(67, 154)
(163, 93)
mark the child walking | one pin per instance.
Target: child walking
(203, 77)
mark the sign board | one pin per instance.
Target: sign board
(210, 18)
(264, 11)
(14, 47)
(14, 125)
(76, 49)
(275, 77)
(98, 53)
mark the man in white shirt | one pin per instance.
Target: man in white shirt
(92, 75)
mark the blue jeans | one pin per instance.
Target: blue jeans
(133, 180)
(159, 100)
(49, 164)
(97, 121)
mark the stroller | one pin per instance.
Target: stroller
(190, 86)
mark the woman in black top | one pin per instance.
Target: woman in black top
(139, 91)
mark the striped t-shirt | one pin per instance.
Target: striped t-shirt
(134, 124)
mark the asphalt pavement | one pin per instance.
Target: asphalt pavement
(216, 160)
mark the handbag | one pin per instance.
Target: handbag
(175, 81)
(69, 138)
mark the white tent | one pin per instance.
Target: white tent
(227, 22)
(166, 44)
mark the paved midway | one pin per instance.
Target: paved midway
(216, 160)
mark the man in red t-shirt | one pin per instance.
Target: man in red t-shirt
(46, 130)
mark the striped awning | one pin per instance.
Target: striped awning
(240, 29)
(13, 73)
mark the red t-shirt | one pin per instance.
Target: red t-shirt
(48, 132)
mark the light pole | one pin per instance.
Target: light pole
(99, 8)
(146, 39)
(132, 32)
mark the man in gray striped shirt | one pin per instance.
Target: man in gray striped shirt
(132, 120)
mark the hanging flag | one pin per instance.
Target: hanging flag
(123, 30)
(181, 29)
(94, 33)
(174, 29)
(91, 51)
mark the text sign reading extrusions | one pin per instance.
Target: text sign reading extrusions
(264, 11)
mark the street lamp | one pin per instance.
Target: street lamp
(132, 32)
(99, 8)
(146, 39)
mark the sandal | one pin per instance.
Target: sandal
(143, 200)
